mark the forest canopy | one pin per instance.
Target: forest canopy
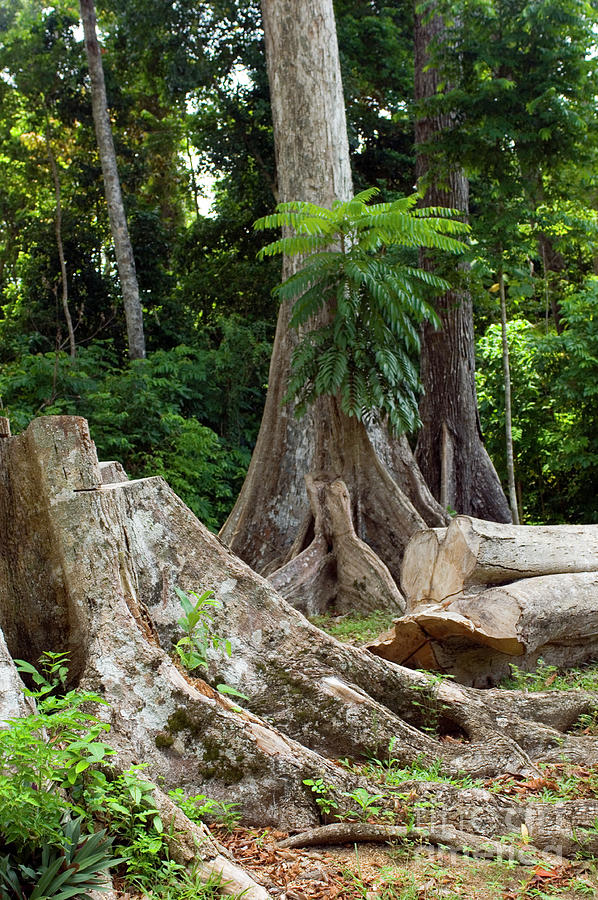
(190, 113)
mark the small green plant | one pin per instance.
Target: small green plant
(125, 805)
(200, 808)
(324, 801)
(547, 677)
(588, 722)
(359, 300)
(367, 805)
(71, 871)
(427, 702)
(197, 621)
(231, 691)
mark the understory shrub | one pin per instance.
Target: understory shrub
(57, 807)
(190, 414)
(555, 426)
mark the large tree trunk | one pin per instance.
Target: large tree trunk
(90, 567)
(450, 450)
(118, 222)
(272, 521)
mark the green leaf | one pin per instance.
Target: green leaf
(231, 691)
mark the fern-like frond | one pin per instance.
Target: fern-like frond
(359, 307)
(444, 212)
(295, 245)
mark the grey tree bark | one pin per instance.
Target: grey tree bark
(272, 521)
(450, 450)
(118, 222)
(89, 566)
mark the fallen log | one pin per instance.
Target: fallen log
(471, 554)
(419, 564)
(476, 637)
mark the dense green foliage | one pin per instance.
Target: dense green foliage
(57, 806)
(189, 413)
(554, 396)
(358, 303)
(45, 760)
(190, 111)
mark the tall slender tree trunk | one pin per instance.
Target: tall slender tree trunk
(118, 223)
(60, 246)
(508, 408)
(273, 523)
(450, 449)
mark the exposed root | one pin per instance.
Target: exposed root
(192, 844)
(337, 569)
(446, 836)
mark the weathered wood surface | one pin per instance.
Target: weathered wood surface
(475, 637)
(13, 702)
(419, 563)
(472, 553)
(95, 565)
(482, 596)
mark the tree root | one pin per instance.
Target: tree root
(108, 557)
(337, 569)
(191, 844)
(445, 836)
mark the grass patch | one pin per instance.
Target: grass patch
(551, 678)
(390, 772)
(354, 629)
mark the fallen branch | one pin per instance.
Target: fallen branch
(442, 836)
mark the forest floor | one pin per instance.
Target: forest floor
(410, 870)
(394, 872)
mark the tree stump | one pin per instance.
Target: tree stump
(92, 571)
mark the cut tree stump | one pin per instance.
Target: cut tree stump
(90, 568)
